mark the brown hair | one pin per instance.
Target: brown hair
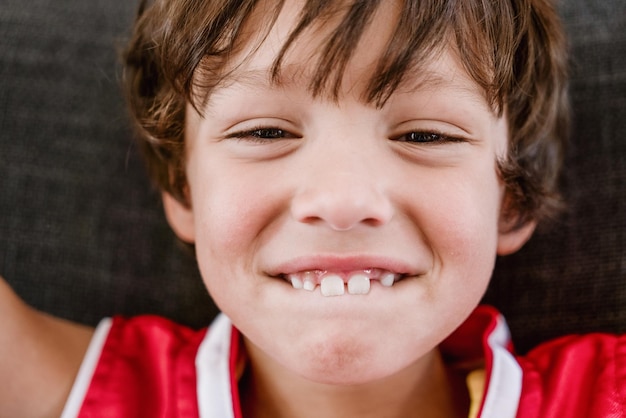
(514, 49)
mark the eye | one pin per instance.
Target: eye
(263, 134)
(424, 137)
(267, 133)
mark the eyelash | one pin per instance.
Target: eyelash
(265, 134)
(429, 137)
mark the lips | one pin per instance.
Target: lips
(336, 276)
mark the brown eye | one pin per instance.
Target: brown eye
(422, 137)
(263, 134)
(269, 133)
(419, 137)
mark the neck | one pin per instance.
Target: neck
(424, 389)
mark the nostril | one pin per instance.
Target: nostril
(341, 212)
(374, 222)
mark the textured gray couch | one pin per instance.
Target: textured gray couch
(82, 234)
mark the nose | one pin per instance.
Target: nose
(342, 195)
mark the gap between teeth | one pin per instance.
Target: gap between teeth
(332, 284)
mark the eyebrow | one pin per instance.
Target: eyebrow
(292, 76)
(261, 77)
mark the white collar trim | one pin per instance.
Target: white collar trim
(505, 383)
(213, 371)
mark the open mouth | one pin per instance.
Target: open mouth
(337, 283)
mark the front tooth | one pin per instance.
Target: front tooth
(309, 281)
(332, 285)
(296, 281)
(388, 279)
(359, 284)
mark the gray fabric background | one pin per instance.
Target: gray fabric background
(82, 235)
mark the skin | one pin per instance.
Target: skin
(39, 358)
(346, 186)
(281, 182)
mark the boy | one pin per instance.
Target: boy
(347, 172)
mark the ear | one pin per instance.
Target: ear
(180, 217)
(512, 237)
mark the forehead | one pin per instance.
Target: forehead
(366, 48)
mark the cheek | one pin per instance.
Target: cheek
(224, 234)
(463, 225)
(222, 204)
(225, 218)
(234, 212)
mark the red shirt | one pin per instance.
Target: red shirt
(151, 367)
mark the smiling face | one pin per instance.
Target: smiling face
(296, 199)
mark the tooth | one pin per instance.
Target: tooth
(309, 281)
(308, 284)
(332, 285)
(296, 281)
(359, 284)
(388, 279)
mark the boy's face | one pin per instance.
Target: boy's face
(286, 186)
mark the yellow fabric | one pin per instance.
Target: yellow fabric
(476, 387)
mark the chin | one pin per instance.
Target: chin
(345, 363)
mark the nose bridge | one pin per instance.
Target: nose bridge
(342, 186)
